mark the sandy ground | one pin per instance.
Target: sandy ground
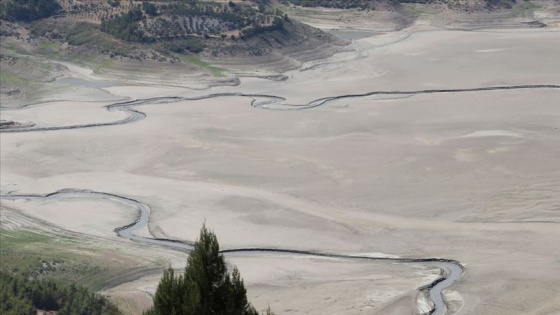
(468, 176)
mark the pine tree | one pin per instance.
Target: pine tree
(205, 288)
(165, 299)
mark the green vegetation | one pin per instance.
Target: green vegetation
(174, 20)
(77, 34)
(101, 66)
(13, 239)
(185, 45)
(28, 271)
(157, 30)
(49, 48)
(525, 8)
(491, 4)
(205, 288)
(65, 259)
(38, 255)
(28, 10)
(12, 79)
(125, 27)
(277, 25)
(21, 296)
(149, 8)
(412, 9)
(195, 60)
(114, 3)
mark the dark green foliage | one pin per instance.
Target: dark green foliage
(149, 8)
(491, 4)
(28, 10)
(232, 15)
(22, 296)
(167, 299)
(184, 45)
(114, 3)
(82, 34)
(205, 288)
(125, 26)
(256, 29)
(210, 19)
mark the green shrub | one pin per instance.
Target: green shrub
(28, 10)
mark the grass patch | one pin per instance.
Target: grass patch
(49, 48)
(12, 79)
(77, 34)
(41, 255)
(102, 66)
(195, 61)
(409, 8)
(12, 46)
(21, 238)
(28, 253)
(65, 258)
(49, 45)
(525, 8)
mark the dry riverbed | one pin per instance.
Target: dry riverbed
(470, 176)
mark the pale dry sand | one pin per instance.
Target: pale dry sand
(468, 176)
(88, 217)
(339, 286)
(68, 113)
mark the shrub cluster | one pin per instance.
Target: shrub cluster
(28, 10)
(22, 296)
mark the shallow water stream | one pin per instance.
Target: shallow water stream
(452, 270)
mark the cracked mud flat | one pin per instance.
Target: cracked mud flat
(469, 176)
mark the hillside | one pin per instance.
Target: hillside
(168, 30)
(235, 34)
(158, 30)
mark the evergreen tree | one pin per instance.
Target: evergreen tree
(205, 288)
(165, 299)
(22, 296)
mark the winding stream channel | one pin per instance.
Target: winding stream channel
(451, 270)
(262, 101)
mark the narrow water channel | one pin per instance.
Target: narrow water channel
(451, 269)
